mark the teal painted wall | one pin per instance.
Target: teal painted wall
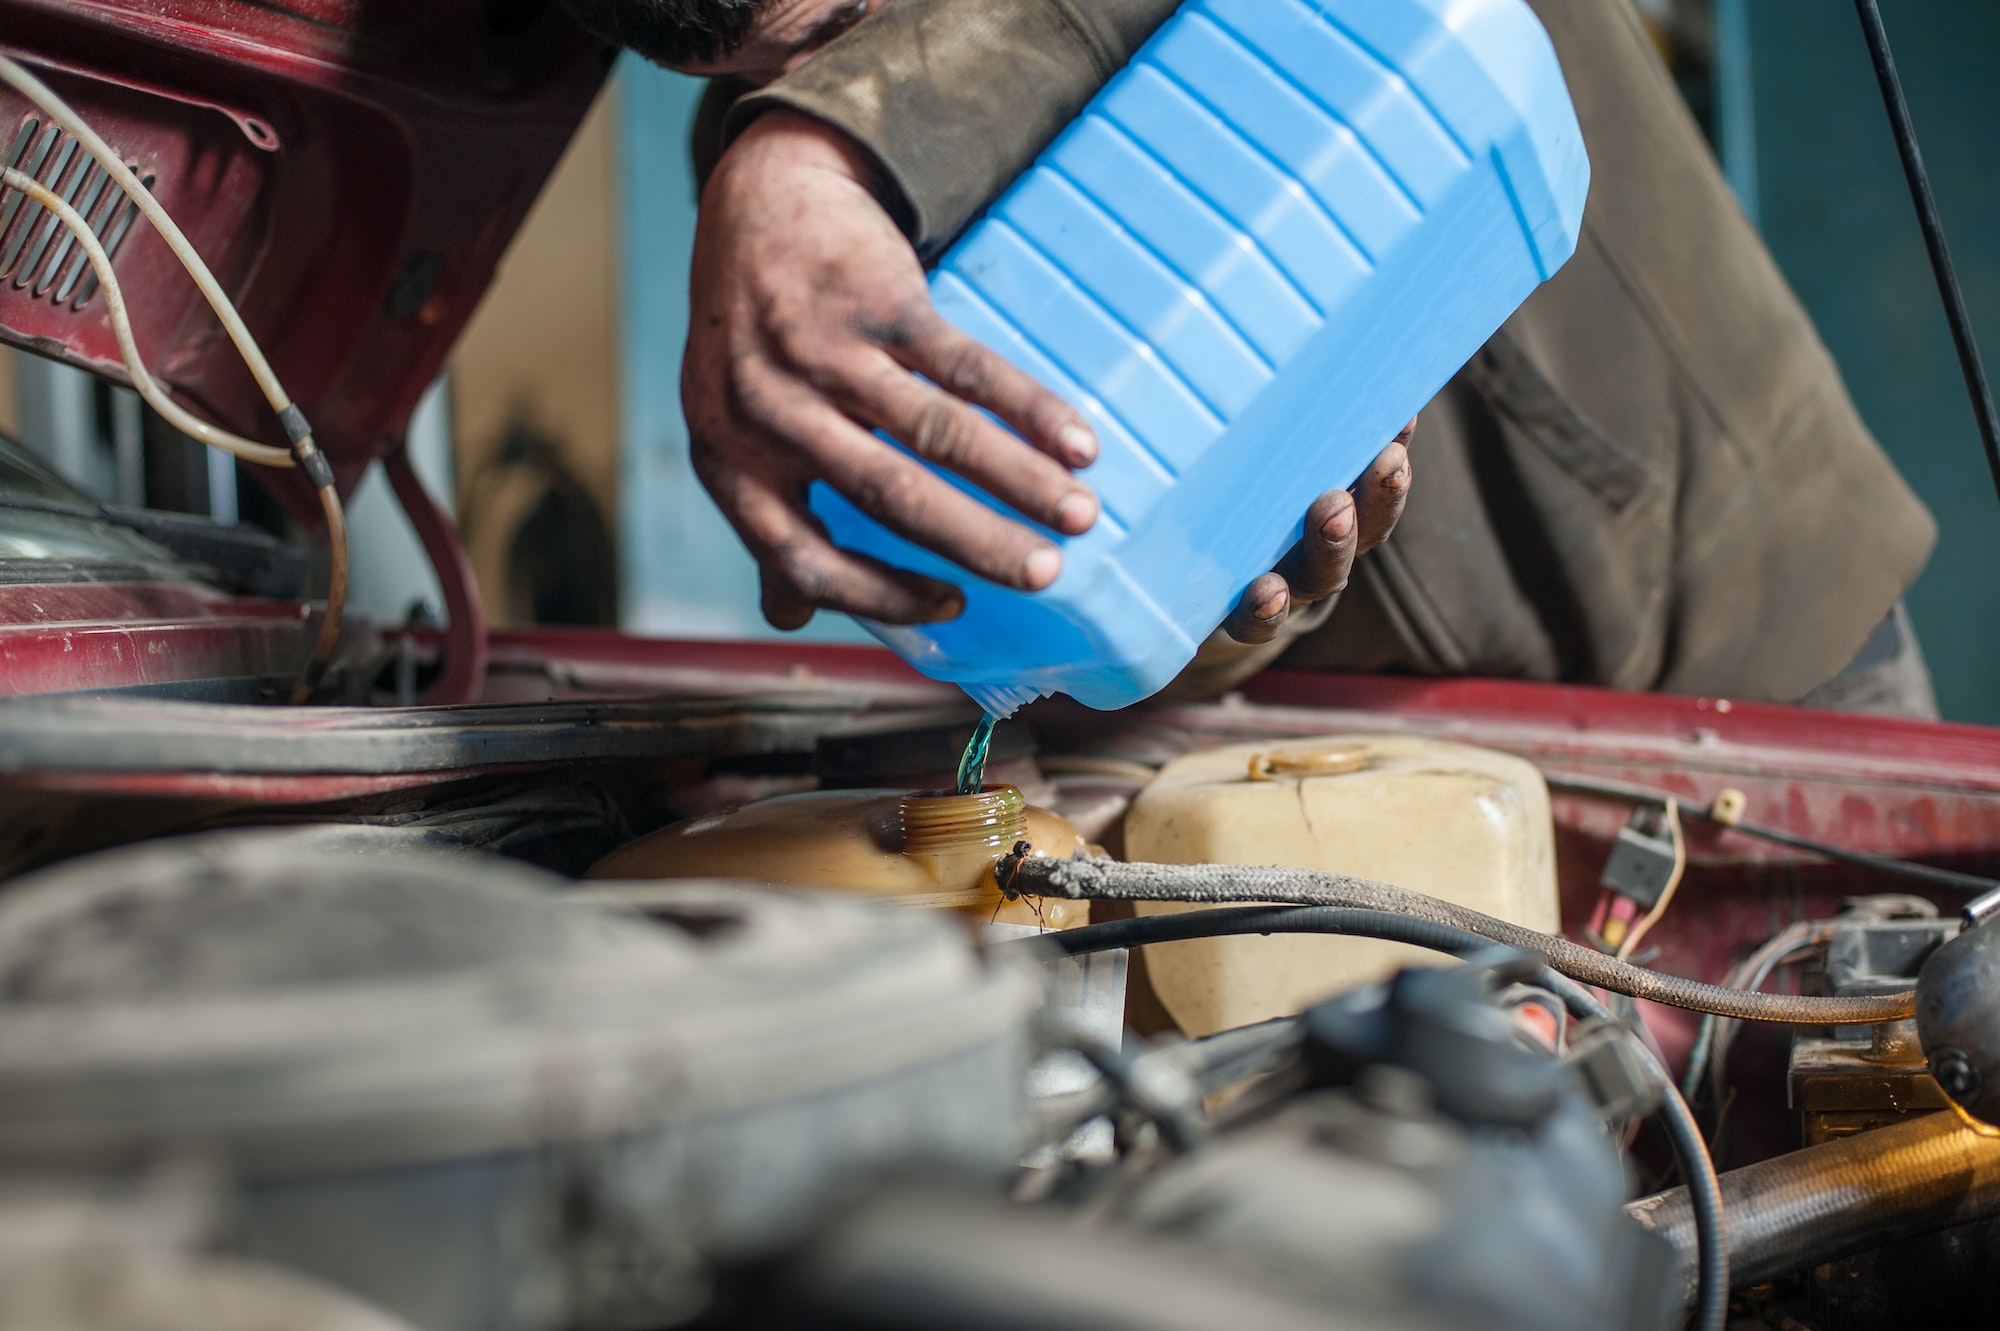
(1805, 140)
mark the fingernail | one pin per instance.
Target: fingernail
(946, 607)
(1041, 569)
(1340, 525)
(1075, 513)
(1078, 444)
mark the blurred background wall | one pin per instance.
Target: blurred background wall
(685, 573)
(534, 402)
(1806, 144)
(573, 484)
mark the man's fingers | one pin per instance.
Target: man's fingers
(946, 431)
(1383, 490)
(926, 342)
(1318, 566)
(909, 499)
(1312, 570)
(1261, 613)
(811, 573)
(801, 571)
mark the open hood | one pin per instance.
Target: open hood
(352, 170)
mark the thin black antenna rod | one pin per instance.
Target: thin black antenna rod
(1933, 227)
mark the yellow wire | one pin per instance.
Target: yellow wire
(1652, 917)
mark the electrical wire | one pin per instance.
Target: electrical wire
(1683, 1133)
(1652, 917)
(336, 594)
(1950, 879)
(304, 453)
(121, 327)
(1724, 1038)
(1088, 879)
(1160, 1090)
(1932, 225)
(1709, 1059)
(1798, 938)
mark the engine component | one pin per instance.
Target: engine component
(1855, 1078)
(1440, 1027)
(1712, 1258)
(1958, 1023)
(129, 1259)
(1859, 1079)
(1363, 1202)
(1642, 858)
(915, 1258)
(1442, 1165)
(919, 849)
(1847, 1195)
(1639, 877)
(473, 1103)
(1958, 1020)
(1467, 825)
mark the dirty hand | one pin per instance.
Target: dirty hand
(811, 327)
(1339, 525)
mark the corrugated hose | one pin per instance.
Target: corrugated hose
(1846, 1196)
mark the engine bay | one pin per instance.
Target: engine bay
(1081, 1111)
(550, 978)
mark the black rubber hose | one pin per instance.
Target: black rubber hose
(1179, 1117)
(1110, 880)
(1846, 1196)
(1707, 1240)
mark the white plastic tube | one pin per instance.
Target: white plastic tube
(121, 326)
(32, 88)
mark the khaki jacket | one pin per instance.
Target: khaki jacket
(1651, 477)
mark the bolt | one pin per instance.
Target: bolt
(1955, 1074)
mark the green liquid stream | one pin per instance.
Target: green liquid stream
(972, 767)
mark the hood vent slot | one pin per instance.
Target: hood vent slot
(37, 252)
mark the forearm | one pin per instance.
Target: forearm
(954, 98)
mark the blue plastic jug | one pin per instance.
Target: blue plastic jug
(1262, 248)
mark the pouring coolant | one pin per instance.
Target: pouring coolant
(1262, 248)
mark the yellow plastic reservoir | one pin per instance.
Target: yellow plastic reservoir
(1466, 824)
(919, 849)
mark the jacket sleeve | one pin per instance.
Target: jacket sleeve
(956, 97)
